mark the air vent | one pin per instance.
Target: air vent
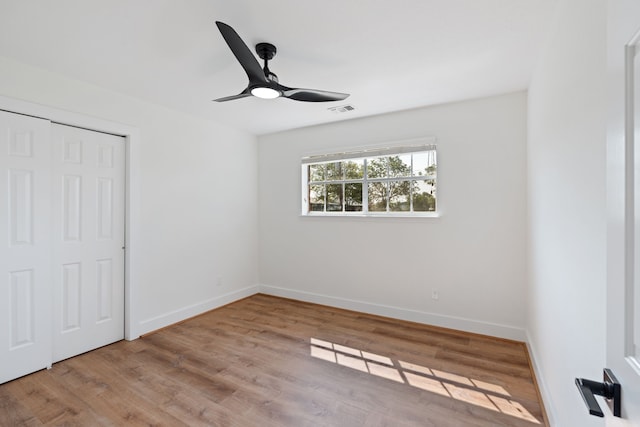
(341, 109)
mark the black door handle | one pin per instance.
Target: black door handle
(610, 389)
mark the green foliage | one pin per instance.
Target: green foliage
(354, 169)
(424, 202)
(383, 167)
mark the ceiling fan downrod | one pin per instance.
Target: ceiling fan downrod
(266, 52)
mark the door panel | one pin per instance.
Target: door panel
(25, 245)
(623, 188)
(88, 215)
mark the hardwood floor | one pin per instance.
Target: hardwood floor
(267, 361)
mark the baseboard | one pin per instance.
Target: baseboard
(452, 322)
(542, 385)
(158, 322)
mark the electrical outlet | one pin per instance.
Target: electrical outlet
(219, 281)
(434, 294)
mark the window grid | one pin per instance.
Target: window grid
(342, 205)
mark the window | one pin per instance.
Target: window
(385, 182)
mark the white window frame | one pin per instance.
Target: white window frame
(388, 149)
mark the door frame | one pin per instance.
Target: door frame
(131, 135)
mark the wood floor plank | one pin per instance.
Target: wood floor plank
(267, 361)
(14, 413)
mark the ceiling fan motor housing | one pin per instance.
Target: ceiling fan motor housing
(266, 51)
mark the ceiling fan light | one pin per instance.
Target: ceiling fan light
(265, 92)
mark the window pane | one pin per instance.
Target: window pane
(433, 163)
(353, 197)
(400, 165)
(424, 163)
(432, 170)
(377, 167)
(424, 196)
(399, 196)
(334, 197)
(316, 198)
(354, 169)
(377, 197)
(420, 163)
(333, 171)
(316, 172)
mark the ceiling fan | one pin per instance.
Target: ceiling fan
(262, 82)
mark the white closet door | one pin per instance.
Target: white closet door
(25, 245)
(88, 240)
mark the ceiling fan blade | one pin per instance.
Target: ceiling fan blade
(242, 54)
(244, 94)
(312, 95)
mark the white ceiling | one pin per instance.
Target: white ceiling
(388, 55)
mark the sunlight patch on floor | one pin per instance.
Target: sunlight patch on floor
(475, 392)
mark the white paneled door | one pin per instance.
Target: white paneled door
(623, 286)
(88, 239)
(25, 246)
(62, 192)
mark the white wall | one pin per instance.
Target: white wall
(567, 208)
(197, 187)
(474, 254)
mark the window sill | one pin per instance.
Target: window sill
(382, 216)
